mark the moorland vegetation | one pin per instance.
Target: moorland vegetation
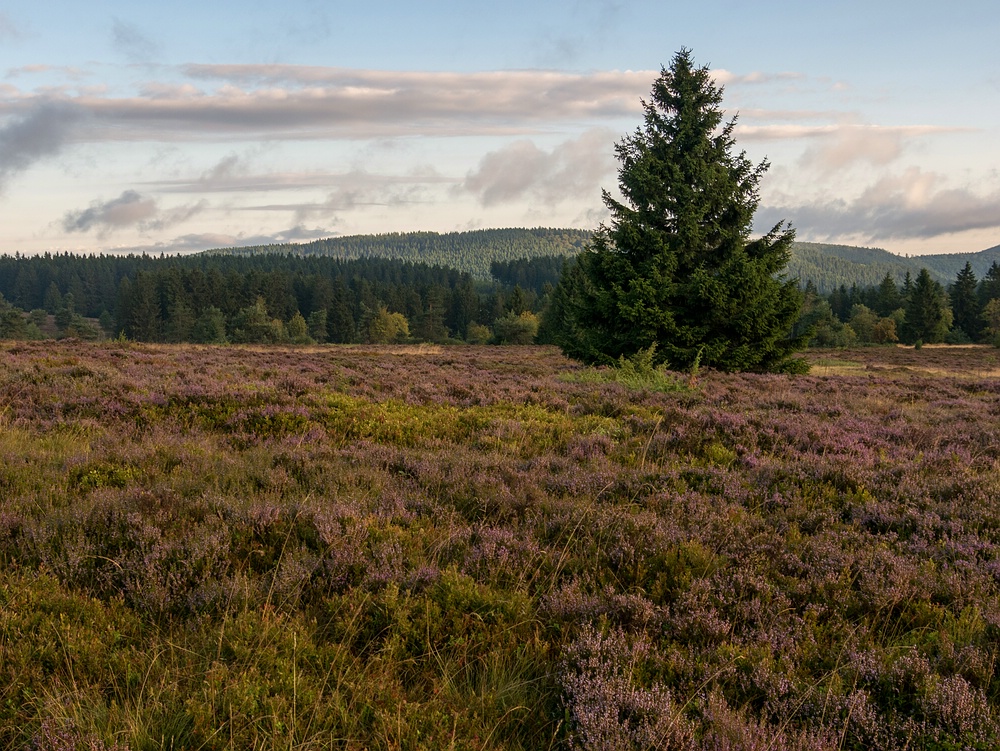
(493, 547)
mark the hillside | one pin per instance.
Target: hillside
(472, 252)
(828, 266)
(949, 264)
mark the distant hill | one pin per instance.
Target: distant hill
(472, 252)
(949, 264)
(828, 266)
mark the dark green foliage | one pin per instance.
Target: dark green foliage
(887, 298)
(12, 322)
(927, 315)
(254, 325)
(829, 266)
(516, 328)
(965, 305)
(529, 273)
(472, 252)
(210, 328)
(989, 289)
(676, 268)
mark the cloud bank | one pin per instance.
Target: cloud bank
(521, 170)
(904, 206)
(40, 133)
(130, 209)
(312, 102)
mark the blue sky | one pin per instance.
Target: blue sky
(183, 126)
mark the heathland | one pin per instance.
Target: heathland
(494, 547)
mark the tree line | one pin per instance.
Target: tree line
(919, 311)
(259, 298)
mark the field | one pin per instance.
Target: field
(487, 547)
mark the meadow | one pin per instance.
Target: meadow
(465, 547)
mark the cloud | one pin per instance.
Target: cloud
(67, 71)
(130, 209)
(312, 102)
(521, 170)
(131, 43)
(725, 77)
(345, 190)
(838, 146)
(909, 205)
(358, 189)
(193, 243)
(40, 133)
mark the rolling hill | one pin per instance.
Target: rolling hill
(828, 266)
(472, 251)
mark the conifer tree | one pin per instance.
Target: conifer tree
(928, 317)
(676, 268)
(965, 303)
(887, 298)
(989, 288)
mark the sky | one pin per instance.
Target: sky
(183, 126)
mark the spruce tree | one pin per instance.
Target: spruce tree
(989, 288)
(928, 317)
(888, 299)
(676, 268)
(965, 303)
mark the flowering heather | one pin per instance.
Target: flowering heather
(488, 547)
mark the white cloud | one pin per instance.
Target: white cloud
(193, 243)
(909, 205)
(724, 77)
(520, 170)
(130, 209)
(835, 147)
(312, 102)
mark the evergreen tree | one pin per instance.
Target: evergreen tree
(907, 288)
(12, 322)
(887, 298)
(317, 325)
(145, 320)
(927, 315)
(676, 269)
(840, 303)
(989, 288)
(254, 325)
(965, 307)
(210, 328)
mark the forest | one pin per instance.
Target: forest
(269, 297)
(473, 251)
(257, 298)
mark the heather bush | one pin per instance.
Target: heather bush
(243, 547)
